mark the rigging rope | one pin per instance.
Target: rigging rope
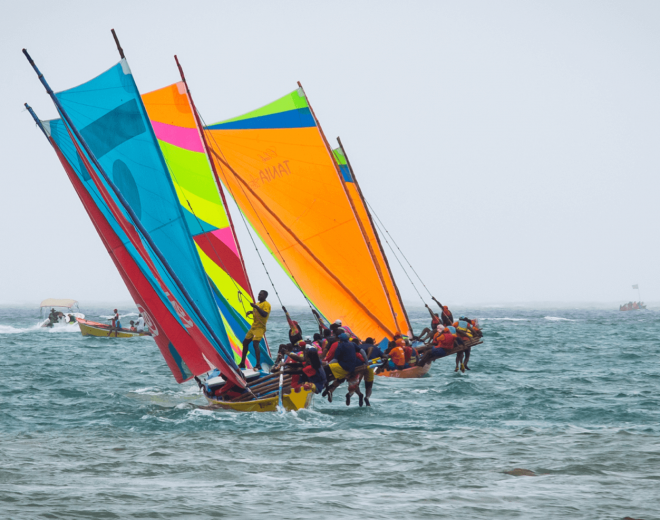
(397, 259)
(262, 224)
(404, 256)
(238, 289)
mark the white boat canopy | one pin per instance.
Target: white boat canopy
(54, 302)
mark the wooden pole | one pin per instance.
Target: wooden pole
(121, 51)
(373, 227)
(350, 202)
(303, 245)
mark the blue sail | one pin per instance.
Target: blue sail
(109, 114)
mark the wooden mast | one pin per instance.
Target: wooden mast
(200, 129)
(371, 221)
(357, 218)
(302, 244)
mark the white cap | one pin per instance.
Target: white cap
(338, 322)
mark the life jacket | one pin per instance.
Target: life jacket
(446, 340)
(407, 351)
(462, 326)
(398, 356)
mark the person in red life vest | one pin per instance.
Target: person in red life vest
(443, 343)
(447, 316)
(312, 371)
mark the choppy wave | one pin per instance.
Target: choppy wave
(504, 319)
(535, 430)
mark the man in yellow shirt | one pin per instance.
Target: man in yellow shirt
(260, 314)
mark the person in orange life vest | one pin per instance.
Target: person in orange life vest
(397, 355)
(295, 332)
(443, 342)
(260, 313)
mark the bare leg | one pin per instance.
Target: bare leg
(246, 350)
(257, 352)
(467, 358)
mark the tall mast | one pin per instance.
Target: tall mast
(357, 218)
(200, 129)
(126, 206)
(371, 221)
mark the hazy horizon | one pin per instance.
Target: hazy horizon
(510, 148)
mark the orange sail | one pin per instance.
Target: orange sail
(279, 169)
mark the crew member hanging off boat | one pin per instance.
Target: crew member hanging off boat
(260, 313)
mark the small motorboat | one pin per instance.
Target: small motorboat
(103, 330)
(62, 312)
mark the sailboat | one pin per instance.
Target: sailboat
(303, 200)
(106, 143)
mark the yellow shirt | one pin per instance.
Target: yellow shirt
(259, 320)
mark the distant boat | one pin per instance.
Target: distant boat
(103, 330)
(63, 312)
(633, 306)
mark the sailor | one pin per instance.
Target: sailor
(397, 355)
(471, 331)
(116, 324)
(336, 325)
(329, 338)
(313, 370)
(132, 327)
(443, 342)
(447, 316)
(140, 323)
(260, 313)
(295, 332)
(342, 363)
(318, 343)
(373, 351)
(52, 317)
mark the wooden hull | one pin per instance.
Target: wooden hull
(292, 401)
(407, 373)
(101, 330)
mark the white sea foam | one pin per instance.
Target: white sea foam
(504, 319)
(8, 329)
(555, 318)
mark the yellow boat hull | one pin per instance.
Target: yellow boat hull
(292, 402)
(100, 330)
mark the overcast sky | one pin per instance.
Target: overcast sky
(511, 148)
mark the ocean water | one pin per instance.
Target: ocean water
(98, 428)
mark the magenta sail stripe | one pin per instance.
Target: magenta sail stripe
(227, 237)
(187, 138)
